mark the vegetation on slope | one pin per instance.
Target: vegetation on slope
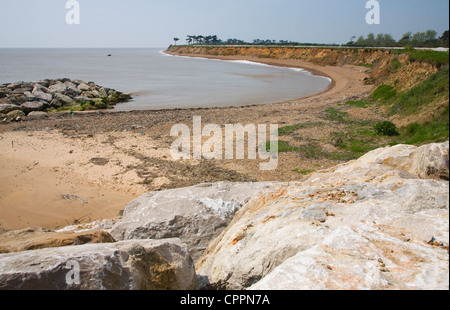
(427, 102)
(410, 104)
(433, 90)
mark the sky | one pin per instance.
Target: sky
(154, 23)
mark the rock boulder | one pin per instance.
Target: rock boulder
(366, 224)
(63, 100)
(32, 106)
(127, 265)
(196, 214)
(57, 88)
(6, 108)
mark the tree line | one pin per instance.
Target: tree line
(428, 38)
(214, 40)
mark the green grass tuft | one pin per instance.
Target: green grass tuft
(434, 131)
(280, 147)
(360, 103)
(304, 172)
(289, 130)
(384, 92)
(336, 115)
(395, 65)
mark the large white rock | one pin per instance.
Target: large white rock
(195, 214)
(367, 224)
(126, 265)
(430, 160)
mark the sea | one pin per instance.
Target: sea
(157, 80)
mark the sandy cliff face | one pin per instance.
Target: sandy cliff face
(321, 56)
(382, 62)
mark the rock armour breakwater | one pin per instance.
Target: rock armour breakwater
(36, 98)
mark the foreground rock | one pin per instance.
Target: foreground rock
(127, 265)
(57, 95)
(373, 223)
(196, 214)
(36, 238)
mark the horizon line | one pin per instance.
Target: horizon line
(86, 47)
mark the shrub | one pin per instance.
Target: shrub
(386, 128)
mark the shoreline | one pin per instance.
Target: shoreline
(308, 67)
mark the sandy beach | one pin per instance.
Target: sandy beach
(65, 169)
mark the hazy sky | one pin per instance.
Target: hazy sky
(153, 23)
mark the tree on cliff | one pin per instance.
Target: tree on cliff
(176, 40)
(406, 39)
(215, 40)
(428, 38)
(444, 39)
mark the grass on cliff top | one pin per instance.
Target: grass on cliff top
(433, 57)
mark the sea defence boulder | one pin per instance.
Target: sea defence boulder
(379, 222)
(196, 214)
(430, 161)
(127, 265)
(6, 108)
(57, 95)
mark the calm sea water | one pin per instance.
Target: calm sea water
(160, 81)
